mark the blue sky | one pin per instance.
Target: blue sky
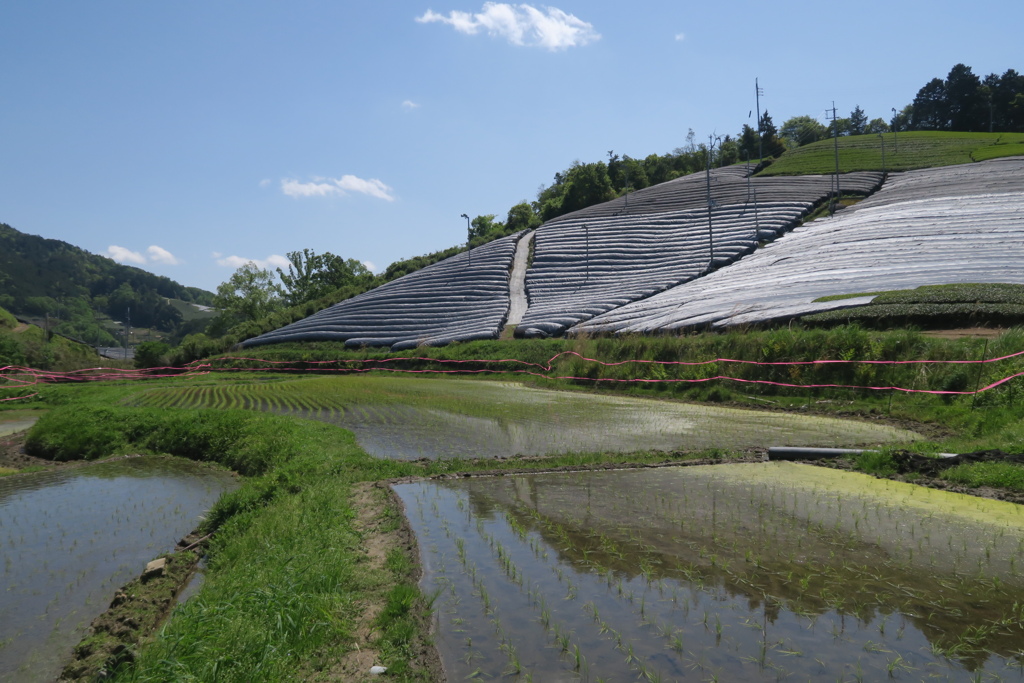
(187, 137)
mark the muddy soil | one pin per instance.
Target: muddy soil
(134, 614)
(13, 455)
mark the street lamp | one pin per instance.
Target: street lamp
(469, 236)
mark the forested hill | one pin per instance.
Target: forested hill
(40, 276)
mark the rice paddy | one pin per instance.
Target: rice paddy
(409, 418)
(730, 572)
(12, 421)
(71, 538)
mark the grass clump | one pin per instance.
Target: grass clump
(998, 474)
(878, 463)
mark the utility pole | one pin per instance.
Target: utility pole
(895, 140)
(758, 91)
(835, 121)
(882, 138)
(469, 237)
(711, 204)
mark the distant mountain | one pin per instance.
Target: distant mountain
(40, 277)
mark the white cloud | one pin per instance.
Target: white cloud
(216, 254)
(680, 37)
(371, 266)
(236, 262)
(265, 182)
(125, 255)
(322, 187)
(409, 104)
(550, 28)
(161, 255)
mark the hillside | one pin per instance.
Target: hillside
(22, 344)
(658, 260)
(40, 277)
(903, 152)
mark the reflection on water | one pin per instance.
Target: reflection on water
(504, 419)
(734, 572)
(71, 538)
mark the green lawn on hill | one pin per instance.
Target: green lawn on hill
(903, 152)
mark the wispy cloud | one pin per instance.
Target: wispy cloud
(680, 37)
(125, 255)
(409, 104)
(550, 28)
(160, 255)
(236, 262)
(265, 182)
(371, 266)
(322, 187)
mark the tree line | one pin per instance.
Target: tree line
(962, 102)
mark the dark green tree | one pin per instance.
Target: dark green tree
(858, 121)
(968, 108)
(930, 107)
(748, 142)
(771, 145)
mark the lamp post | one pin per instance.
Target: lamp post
(895, 140)
(469, 236)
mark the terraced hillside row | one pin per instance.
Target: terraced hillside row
(592, 261)
(934, 226)
(729, 185)
(461, 298)
(585, 267)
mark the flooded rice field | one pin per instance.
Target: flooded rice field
(13, 421)
(771, 571)
(502, 419)
(414, 417)
(71, 538)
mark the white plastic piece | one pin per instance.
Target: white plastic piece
(377, 670)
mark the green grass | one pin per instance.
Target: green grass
(997, 474)
(916, 149)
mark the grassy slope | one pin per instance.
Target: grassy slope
(190, 312)
(917, 149)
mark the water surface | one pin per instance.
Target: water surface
(732, 572)
(70, 539)
(493, 419)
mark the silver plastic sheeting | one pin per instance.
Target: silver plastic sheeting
(729, 185)
(959, 224)
(458, 299)
(593, 261)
